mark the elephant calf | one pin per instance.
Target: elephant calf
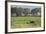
(30, 22)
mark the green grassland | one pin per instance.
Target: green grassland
(24, 22)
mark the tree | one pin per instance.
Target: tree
(26, 11)
(17, 10)
(36, 11)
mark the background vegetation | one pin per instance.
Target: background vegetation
(25, 17)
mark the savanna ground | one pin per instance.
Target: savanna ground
(24, 22)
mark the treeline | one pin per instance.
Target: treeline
(18, 11)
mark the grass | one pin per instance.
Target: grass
(21, 22)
